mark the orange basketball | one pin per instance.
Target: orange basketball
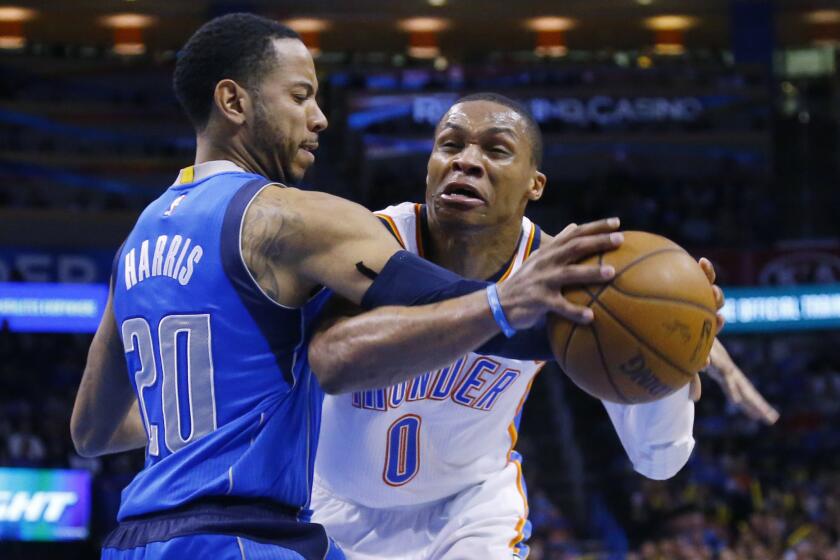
(654, 323)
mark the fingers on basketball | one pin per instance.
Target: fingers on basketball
(654, 323)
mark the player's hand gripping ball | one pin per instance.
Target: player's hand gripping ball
(654, 323)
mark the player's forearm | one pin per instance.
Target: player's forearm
(100, 421)
(391, 344)
(130, 433)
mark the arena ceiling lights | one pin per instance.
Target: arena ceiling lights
(128, 32)
(310, 30)
(12, 19)
(423, 35)
(669, 32)
(824, 27)
(551, 34)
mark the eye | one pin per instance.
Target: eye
(499, 150)
(300, 98)
(450, 144)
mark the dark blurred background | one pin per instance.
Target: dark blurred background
(713, 122)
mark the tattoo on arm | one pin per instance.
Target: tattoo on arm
(270, 230)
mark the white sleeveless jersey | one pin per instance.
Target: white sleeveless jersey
(434, 435)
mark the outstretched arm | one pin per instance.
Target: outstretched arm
(106, 418)
(295, 239)
(737, 388)
(391, 344)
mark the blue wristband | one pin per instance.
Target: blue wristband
(498, 312)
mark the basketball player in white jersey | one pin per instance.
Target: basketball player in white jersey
(426, 469)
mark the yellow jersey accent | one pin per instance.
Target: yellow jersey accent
(187, 175)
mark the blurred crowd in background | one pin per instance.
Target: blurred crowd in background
(90, 135)
(749, 491)
(96, 137)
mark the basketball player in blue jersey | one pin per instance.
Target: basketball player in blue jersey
(426, 469)
(212, 295)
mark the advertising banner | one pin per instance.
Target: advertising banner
(44, 504)
(40, 307)
(782, 308)
(55, 265)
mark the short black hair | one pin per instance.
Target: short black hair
(532, 128)
(233, 46)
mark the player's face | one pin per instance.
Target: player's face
(481, 172)
(286, 118)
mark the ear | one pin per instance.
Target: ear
(231, 101)
(537, 186)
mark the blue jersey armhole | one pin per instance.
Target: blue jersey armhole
(281, 327)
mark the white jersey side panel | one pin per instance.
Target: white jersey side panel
(435, 435)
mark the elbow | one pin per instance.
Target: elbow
(82, 436)
(81, 442)
(658, 474)
(331, 384)
(84, 451)
(329, 367)
(664, 461)
(332, 379)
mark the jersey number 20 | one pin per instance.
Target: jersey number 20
(194, 349)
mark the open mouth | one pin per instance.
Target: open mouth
(462, 194)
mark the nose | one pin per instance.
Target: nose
(317, 120)
(468, 161)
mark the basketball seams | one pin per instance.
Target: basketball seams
(594, 297)
(606, 367)
(662, 298)
(627, 267)
(594, 293)
(568, 343)
(642, 341)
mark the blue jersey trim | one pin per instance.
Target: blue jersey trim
(272, 319)
(262, 521)
(537, 239)
(423, 228)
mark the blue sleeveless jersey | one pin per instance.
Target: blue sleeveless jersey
(229, 403)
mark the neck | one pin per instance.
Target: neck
(209, 148)
(477, 253)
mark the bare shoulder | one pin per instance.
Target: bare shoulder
(287, 232)
(272, 223)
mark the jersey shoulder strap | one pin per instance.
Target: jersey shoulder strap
(403, 220)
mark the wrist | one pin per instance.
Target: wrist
(497, 311)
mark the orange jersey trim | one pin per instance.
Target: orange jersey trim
(418, 228)
(392, 225)
(514, 436)
(509, 268)
(530, 244)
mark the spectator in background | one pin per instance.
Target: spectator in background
(26, 448)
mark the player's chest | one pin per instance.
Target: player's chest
(473, 382)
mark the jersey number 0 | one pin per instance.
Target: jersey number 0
(402, 450)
